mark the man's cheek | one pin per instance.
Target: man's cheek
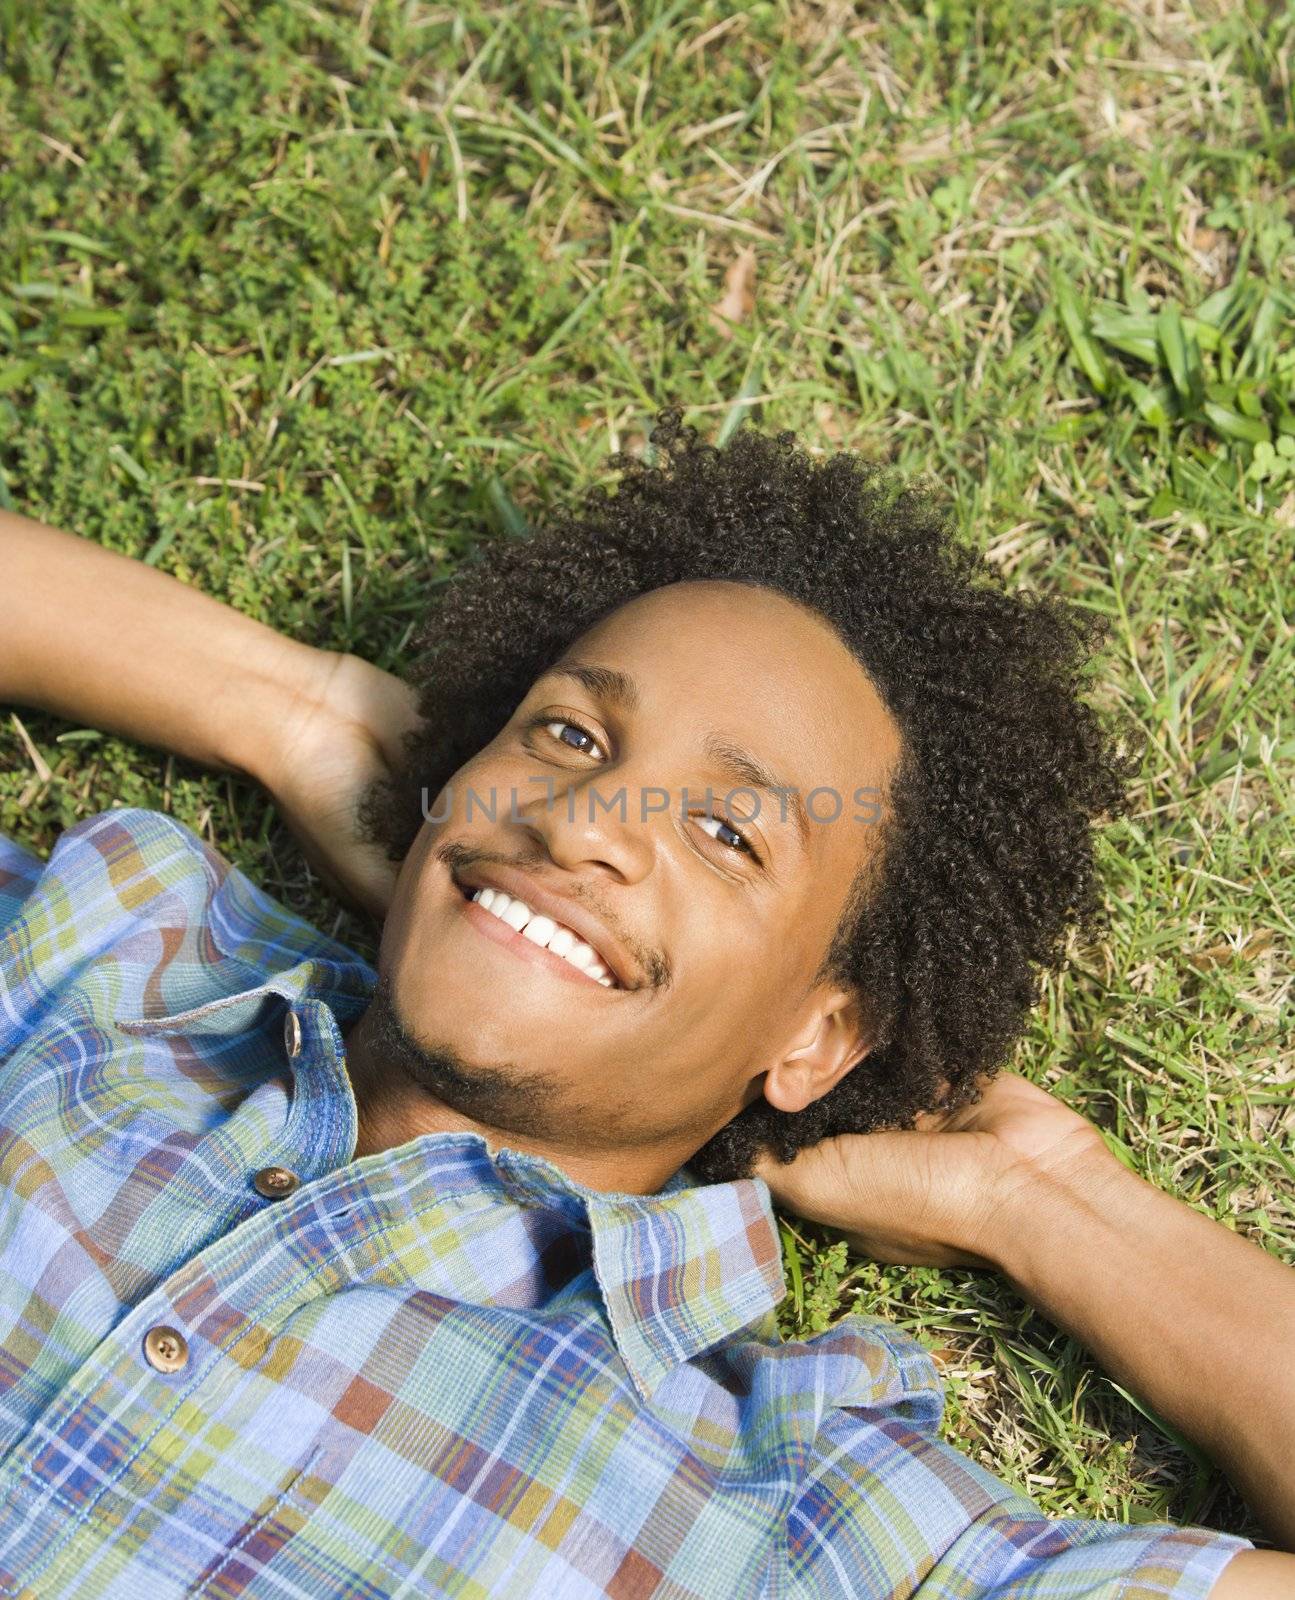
(488, 792)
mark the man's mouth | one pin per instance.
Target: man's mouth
(518, 922)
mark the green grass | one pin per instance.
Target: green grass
(300, 301)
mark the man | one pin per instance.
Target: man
(454, 1277)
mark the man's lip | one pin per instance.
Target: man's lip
(548, 903)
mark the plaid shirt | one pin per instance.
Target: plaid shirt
(444, 1369)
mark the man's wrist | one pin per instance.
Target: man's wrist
(278, 685)
(1035, 1206)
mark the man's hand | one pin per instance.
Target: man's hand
(934, 1196)
(343, 732)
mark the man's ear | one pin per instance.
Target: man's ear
(821, 1055)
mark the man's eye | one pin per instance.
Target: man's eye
(572, 734)
(742, 844)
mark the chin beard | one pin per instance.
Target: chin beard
(393, 1062)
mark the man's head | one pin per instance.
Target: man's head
(834, 955)
(714, 912)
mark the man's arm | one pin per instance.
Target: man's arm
(1194, 1319)
(103, 640)
(109, 642)
(1256, 1575)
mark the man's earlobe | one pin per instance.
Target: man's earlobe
(830, 1046)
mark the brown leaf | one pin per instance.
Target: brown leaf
(739, 294)
(826, 416)
(1217, 955)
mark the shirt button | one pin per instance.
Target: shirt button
(275, 1182)
(292, 1034)
(165, 1348)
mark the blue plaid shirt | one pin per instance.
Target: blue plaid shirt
(238, 1362)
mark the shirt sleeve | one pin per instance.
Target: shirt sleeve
(1014, 1552)
(889, 1508)
(19, 870)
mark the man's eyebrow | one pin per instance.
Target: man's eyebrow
(609, 684)
(740, 766)
(749, 772)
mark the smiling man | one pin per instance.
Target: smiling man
(719, 845)
(612, 806)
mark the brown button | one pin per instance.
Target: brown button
(292, 1033)
(275, 1182)
(165, 1348)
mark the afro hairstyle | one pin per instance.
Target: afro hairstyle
(983, 861)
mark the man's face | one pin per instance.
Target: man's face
(714, 948)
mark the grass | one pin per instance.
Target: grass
(300, 301)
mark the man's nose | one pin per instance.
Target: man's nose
(595, 817)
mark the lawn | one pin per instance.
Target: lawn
(301, 301)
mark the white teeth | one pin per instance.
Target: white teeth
(516, 914)
(546, 933)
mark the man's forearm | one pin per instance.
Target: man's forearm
(1195, 1320)
(109, 642)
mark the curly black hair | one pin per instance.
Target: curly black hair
(984, 856)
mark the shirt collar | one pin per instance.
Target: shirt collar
(680, 1271)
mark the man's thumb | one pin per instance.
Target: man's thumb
(766, 1166)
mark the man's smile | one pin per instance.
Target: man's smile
(531, 940)
(543, 926)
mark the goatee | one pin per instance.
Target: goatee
(391, 1062)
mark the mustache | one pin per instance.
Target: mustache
(457, 857)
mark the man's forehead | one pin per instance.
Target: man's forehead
(702, 600)
(751, 635)
(744, 627)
